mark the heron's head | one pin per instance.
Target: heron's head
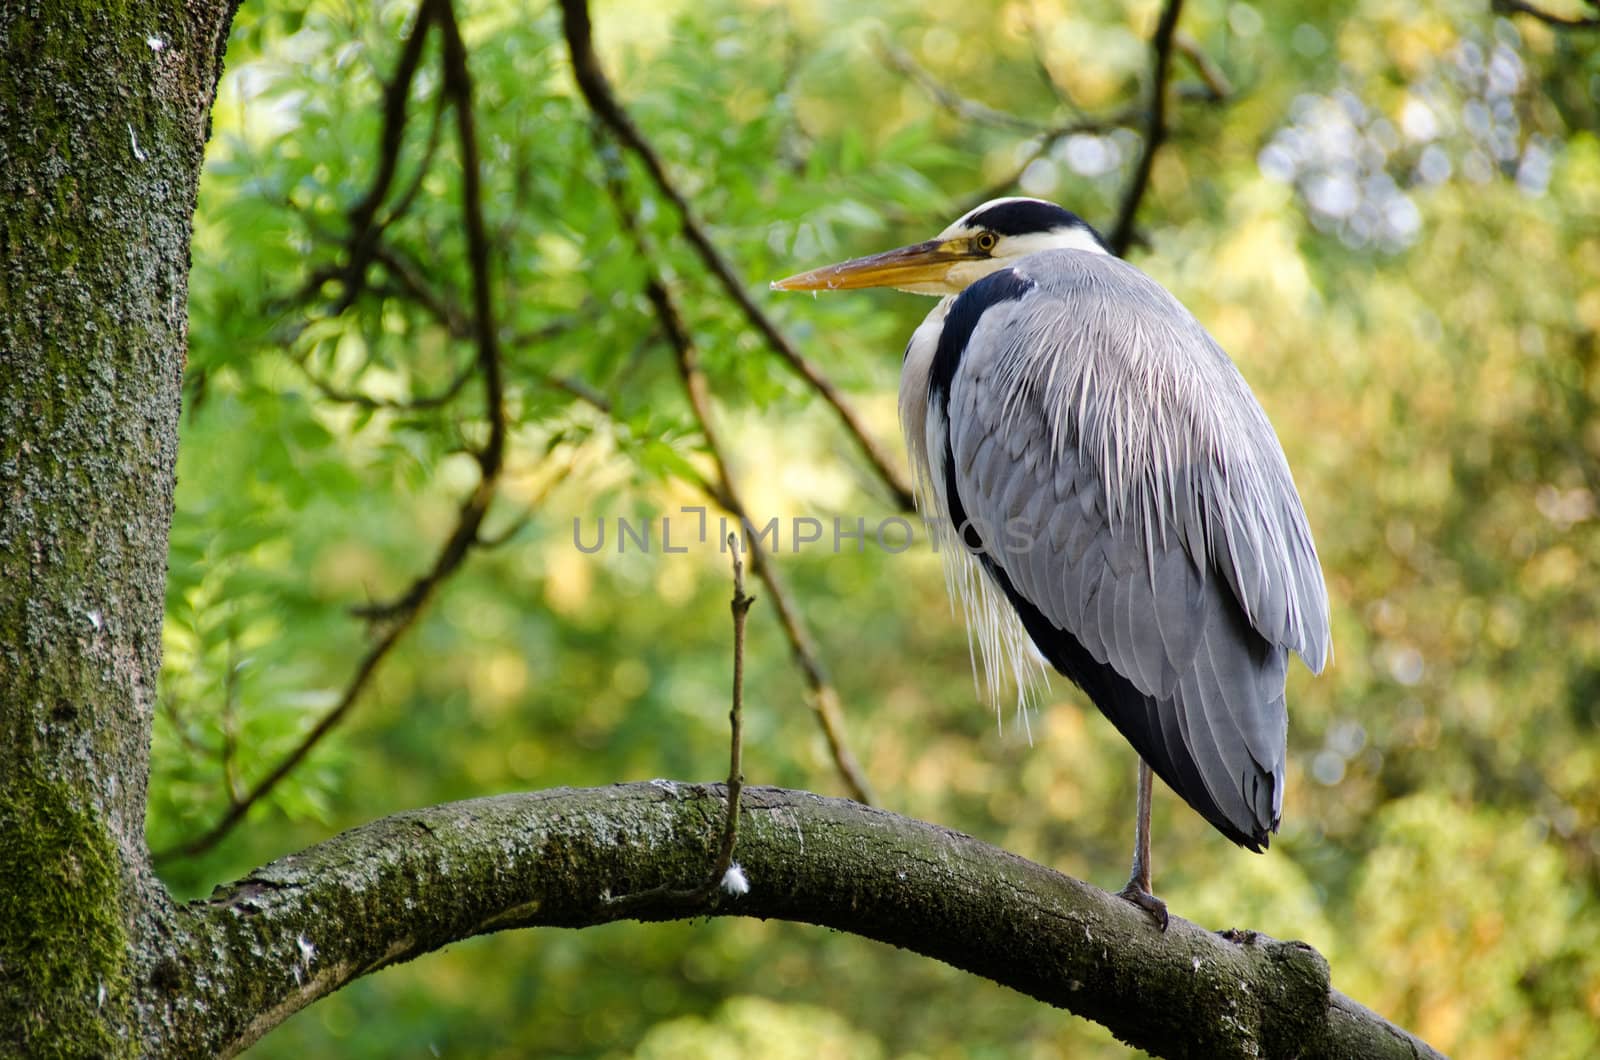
(984, 240)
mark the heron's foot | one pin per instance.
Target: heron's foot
(1139, 896)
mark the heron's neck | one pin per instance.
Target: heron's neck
(914, 387)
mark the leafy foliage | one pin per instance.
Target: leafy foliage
(1435, 393)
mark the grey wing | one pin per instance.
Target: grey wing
(1136, 509)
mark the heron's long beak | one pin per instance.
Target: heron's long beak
(918, 264)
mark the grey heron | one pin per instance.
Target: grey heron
(1121, 502)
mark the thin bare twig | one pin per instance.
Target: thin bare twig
(412, 280)
(719, 876)
(1217, 85)
(491, 457)
(367, 401)
(397, 617)
(1041, 66)
(1121, 119)
(1155, 128)
(1518, 7)
(402, 205)
(230, 720)
(457, 323)
(740, 607)
(579, 389)
(396, 100)
(724, 490)
(969, 110)
(458, 83)
(602, 101)
(825, 698)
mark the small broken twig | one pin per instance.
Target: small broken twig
(740, 606)
(1217, 85)
(725, 873)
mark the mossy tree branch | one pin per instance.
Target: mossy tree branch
(300, 928)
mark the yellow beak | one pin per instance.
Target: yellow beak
(920, 263)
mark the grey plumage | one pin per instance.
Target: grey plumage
(1110, 498)
(1129, 489)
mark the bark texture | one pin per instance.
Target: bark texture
(392, 890)
(103, 110)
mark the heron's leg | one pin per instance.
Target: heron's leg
(1138, 889)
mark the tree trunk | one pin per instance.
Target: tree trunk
(103, 120)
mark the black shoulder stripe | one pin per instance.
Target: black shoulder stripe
(1006, 285)
(958, 510)
(1140, 718)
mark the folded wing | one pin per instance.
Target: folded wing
(1125, 491)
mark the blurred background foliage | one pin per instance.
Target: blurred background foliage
(1392, 222)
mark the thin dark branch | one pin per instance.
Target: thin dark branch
(1518, 7)
(458, 324)
(1045, 143)
(825, 698)
(230, 720)
(491, 457)
(579, 389)
(597, 92)
(724, 490)
(396, 100)
(1155, 128)
(399, 615)
(409, 275)
(1217, 85)
(239, 807)
(403, 204)
(366, 401)
(969, 110)
(458, 83)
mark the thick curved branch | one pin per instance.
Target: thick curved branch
(302, 927)
(597, 93)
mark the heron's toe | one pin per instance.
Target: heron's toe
(1155, 907)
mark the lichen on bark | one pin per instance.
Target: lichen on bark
(59, 866)
(101, 138)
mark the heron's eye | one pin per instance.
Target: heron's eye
(985, 241)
